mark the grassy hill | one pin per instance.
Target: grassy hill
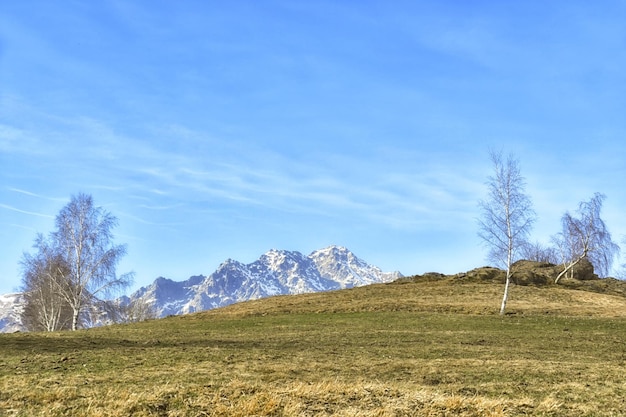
(426, 346)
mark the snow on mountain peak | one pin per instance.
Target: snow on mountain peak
(276, 259)
(278, 272)
(341, 265)
(10, 312)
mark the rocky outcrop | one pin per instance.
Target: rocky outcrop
(524, 273)
(529, 272)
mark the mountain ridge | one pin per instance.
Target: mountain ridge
(276, 272)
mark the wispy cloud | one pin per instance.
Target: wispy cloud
(161, 208)
(22, 227)
(10, 138)
(17, 190)
(30, 213)
(32, 194)
(227, 172)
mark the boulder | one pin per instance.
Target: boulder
(583, 271)
(534, 273)
(538, 273)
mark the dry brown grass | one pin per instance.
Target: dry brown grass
(447, 295)
(238, 398)
(427, 348)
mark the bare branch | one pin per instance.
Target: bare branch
(507, 215)
(586, 236)
(82, 255)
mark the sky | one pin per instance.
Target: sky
(216, 130)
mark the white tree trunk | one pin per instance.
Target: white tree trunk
(506, 294)
(569, 267)
(75, 315)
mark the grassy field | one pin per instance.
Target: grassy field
(425, 348)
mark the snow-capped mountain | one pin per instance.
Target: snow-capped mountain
(10, 312)
(342, 266)
(276, 272)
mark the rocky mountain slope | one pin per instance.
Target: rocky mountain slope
(10, 310)
(276, 272)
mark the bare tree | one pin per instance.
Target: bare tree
(586, 237)
(507, 216)
(538, 252)
(131, 311)
(43, 276)
(84, 240)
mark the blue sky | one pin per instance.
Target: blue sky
(217, 130)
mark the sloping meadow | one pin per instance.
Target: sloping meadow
(431, 346)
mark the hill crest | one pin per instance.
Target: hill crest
(476, 292)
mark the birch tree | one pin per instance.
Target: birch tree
(84, 239)
(45, 308)
(507, 216)
(585, 236)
